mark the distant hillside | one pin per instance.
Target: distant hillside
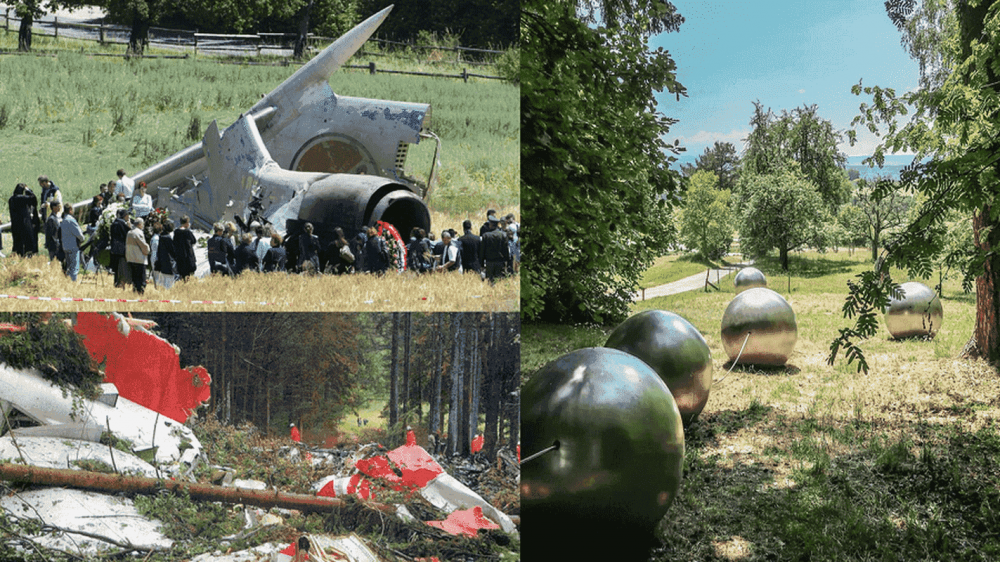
(894, 164)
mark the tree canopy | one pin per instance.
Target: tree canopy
(802, 136)
(720, 159)
(594, 164)
(782, 210)
(706, 219)
(953, 129)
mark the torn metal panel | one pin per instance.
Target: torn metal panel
(303, 139)
(97, 514)
(30, 393)
(448, 494)
(350, 548)
(80, 431)
(54, 452)
(144, 367)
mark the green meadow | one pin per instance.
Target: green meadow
(820, 462)
(78, 118)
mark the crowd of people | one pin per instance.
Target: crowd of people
(124, 233)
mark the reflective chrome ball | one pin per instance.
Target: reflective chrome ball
(677, 352)
(748, 278)
(621, 448)
(769, 320)
(918, 313)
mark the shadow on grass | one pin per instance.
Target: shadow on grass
(801, 266)
(786, 369)
(882, 490)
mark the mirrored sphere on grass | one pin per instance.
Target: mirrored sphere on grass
(748, 278)
(620, 452)
(769, 320)
(677, 352)
(918, 313)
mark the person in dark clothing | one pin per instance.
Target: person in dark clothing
(274, 259)
(119, 234)
(136, 250)
(220, 252)
(358, 247)
(496, 252)
(165, 261)
(50, 194)
(53, 234)
(418, 256)
(246, 257)
(338, 260)
(184, 242)
(472, 249)
(94, 214)
(490, 224)
(24, 220)
(309, 249)
(376, 253)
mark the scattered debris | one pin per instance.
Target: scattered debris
(52, 452)
(85, 523)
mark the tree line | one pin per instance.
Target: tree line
(477, 23)
(315, 369)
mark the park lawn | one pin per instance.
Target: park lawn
(820, 462)
(672, 267)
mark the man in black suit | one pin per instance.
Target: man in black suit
(496, 251)
(472, 249)
(184, 242)
(119, 233)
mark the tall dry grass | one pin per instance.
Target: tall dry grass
(22, 278)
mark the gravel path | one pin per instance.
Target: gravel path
(696, 281)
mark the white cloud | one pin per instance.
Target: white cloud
(707, 137)
(802, 91)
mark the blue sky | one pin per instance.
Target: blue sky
(784, 54)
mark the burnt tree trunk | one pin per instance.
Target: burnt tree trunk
(407, 334)
(394, 373)
(491, 392)
(138, 37)
(24, 32)
(301, 40)
(435, 407)
(455, 404)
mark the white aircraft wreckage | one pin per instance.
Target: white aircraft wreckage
(305, 154)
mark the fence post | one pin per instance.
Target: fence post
(101, 32)
(196, 43)
(56, 26)
(465, 75)
(6, 19)
(371, 68)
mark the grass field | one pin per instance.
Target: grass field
(78, 118)
(819, 462)
(670, 268)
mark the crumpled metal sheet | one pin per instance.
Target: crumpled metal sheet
(108, 516)
(54, 452)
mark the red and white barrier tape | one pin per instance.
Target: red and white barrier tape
(162, 301)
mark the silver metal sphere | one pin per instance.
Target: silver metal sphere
(918, 313)
(621, 446)
(748, 278)
(677, 352)
(769, 320)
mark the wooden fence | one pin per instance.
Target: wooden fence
(249, 44)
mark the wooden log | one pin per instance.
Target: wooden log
(116, 483)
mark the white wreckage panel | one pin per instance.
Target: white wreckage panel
(448, 494)
(54, 452)
(112, 517)
(27, 391)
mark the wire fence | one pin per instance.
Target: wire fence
(257, 45)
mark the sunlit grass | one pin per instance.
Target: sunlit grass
(255, 291)
(817, 461)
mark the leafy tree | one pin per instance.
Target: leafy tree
(594, 162)
(878, 217)
(851, 221)
(720, 159)
(706, 219)
(953, 131)
(478, 23)
(783, 211)
(801, 136)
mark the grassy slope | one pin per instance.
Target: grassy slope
(822, 463)
(78, 119)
